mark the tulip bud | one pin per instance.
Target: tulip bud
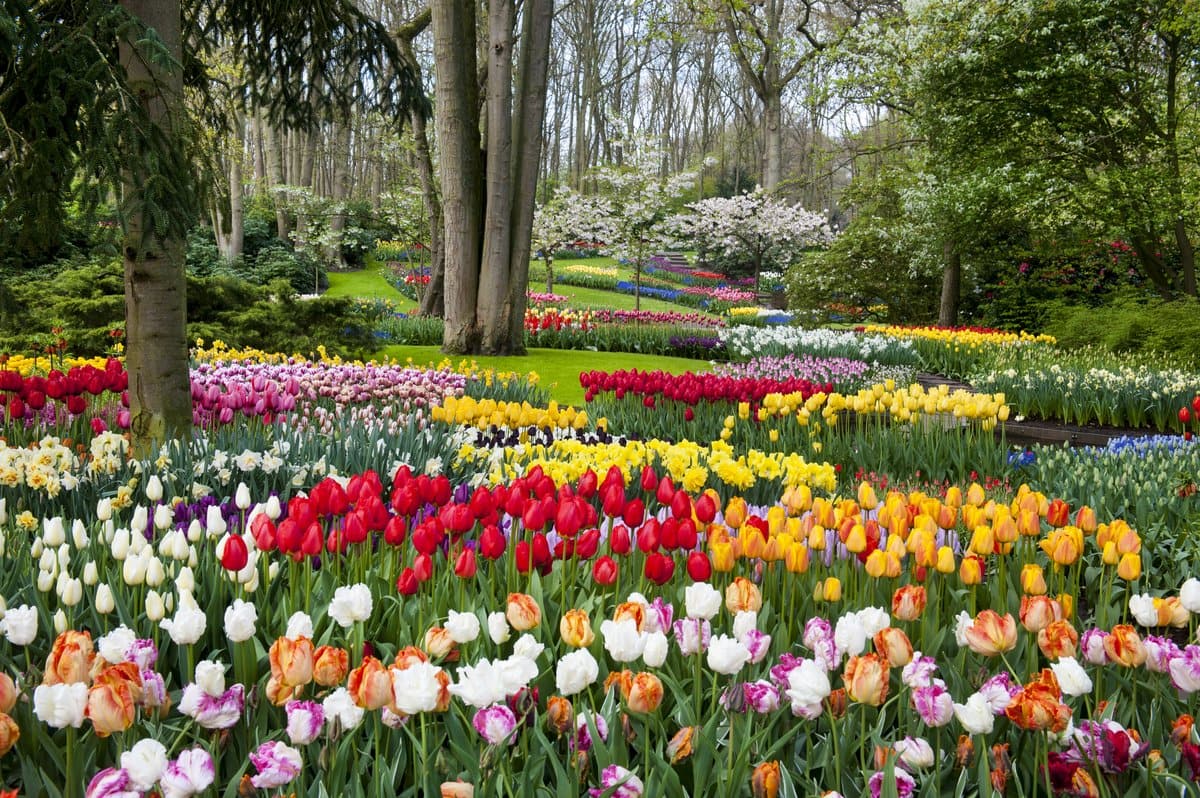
(60, 622)
(104, 603)
(242, 496)
(164, 517)
(45, 581)
(195, 531)
(79, 535)
(154, 488)
(155, 573)
(104, 510)
(72, 593)
(53, 533)
(154, 607)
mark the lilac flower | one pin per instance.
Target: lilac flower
(277, 764)
(191, 774)
(304, 721)
(627, 785)
(495, 724)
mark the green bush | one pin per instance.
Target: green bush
(1131, 322)
(88, 302)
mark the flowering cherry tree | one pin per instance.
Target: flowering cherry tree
(568, 217)
(755, 227)
(641, 199)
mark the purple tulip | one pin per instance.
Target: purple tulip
(191, 774)
(934, 704)
(304, 721)
(111, 783)
(627, 785)
(213, 712)
(692, 635)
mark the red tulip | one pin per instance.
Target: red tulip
(290, 535)
(587, 484)
(689, 414)
(698, 566)
(587, 544)
(648, 537)
(482, 503)
(406, 583)
(665, 491)
(406, 499)
(569, 518)
(423, 567)
(98, 425)
(619, 541)
(681, 505)
(441, 489)
(263, 529)
(313, 540)
(522, 554)
(235, 555)
(76, 405)
(635, 513)
(1185, 415)
(659, 568)
(492, 543)
(669, 534)
(649, 479)
(395, 530)
(1196, 404)
(464, 566)
(687, 537)
(354, 529)
(604, 571)
(533, 519)
(541, 551)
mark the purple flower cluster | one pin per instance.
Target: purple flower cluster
(838, 370)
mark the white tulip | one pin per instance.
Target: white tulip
(154, 607)
(45, 581)
(186, 580)
(241, 496)
(273, 509)
(104, 510)
(134, 571)
(91, 574)
(64, 556)
(36, 548)
(60, 622)
(79, 535)
(140, 520)
(53, 532)
(154, 488)
(47, 561)
(120, 544)
(104, 603)
(73, 593)
(164, 517)
(214, 522)
(195, 531)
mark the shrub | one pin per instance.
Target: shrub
(1130, 323)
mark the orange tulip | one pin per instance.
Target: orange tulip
(893, 644)
(1029, 523)
(10, 732)
(908, 602)
(1171, 612)
(1130, 566)
(991, 634)
(1058, 639)
(1058, 514)
(279, 693)
(1038, 612)
(835, 703)
(947, 516)
(1123, 645)
(1037, 708)
(523, 613)
(370, 684)
(8, 693)
(970, 571)
(443, 699)
(645, 693)
(680, 746)
(575, 628)
(866, 679)
(1067, 602)
(964, 752)
(876, 564)
(945, 560)
(1181, 729)
(1085, 519)
(764, 782)
(954, 496)
(735, 513)
(742, 595)
(112, 700)
(797, 558)
(1033, 580)
(1063, 545)
(408, 656)
(292, 661)
(457, 789)
(623, 681)
(560, 715)
(975, 494)
(866, 496)
(330, 666)
(631, 611)
(70, 660)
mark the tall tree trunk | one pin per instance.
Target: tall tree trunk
(155, 281)
(274, 145)
(308, 161)
(772, 140)
(235, 233)
(260, 155)
(460, 166)
(1187, 258)
(492, 304)
(951, 286)
(529, 117)
(339, 192)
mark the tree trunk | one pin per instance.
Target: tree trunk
(492, 303)
(433, 301)
(533, 77)
(1187, 258)
(772, 140)
(274, 146)
(340, 192)
(951, 286)
(236, 234)
(460, 167)
(155, 281)
(307, 166)
(1152, 263)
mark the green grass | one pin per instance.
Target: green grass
(557, 369)
(597, 298)
(368, 283)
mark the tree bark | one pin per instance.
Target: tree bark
(340, 191)
(951, 286)
(273, 143)
(155, 281)
(529, 117)
(492, 303)
(460, 167)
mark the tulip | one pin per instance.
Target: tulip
(8, 693)
(1038, 612)
(991, 634)
(866, 679)
(370, 686)
(742, 595)
(575, 628)
(908, 602)
(1037, 708)
(277, 764)
(604, 571)
(291, 662)
(1033, 581)
(893, 645)
(330, 666)
(617, 782)
(645, 694)
(764, 781)
(1124, 647)
(495, 724)
(1058, 639)
(70, 659)
(680, 746)
(522, 612)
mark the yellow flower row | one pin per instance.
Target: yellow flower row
(959, 337)
(744, 311)
(905, 405)
(40, 364)
(598, 271)
(689, 464)
(484, 413)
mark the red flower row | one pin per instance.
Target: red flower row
(691, 388)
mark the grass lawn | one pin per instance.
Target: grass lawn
(557, 369)
(368, 283)
(596, 298)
